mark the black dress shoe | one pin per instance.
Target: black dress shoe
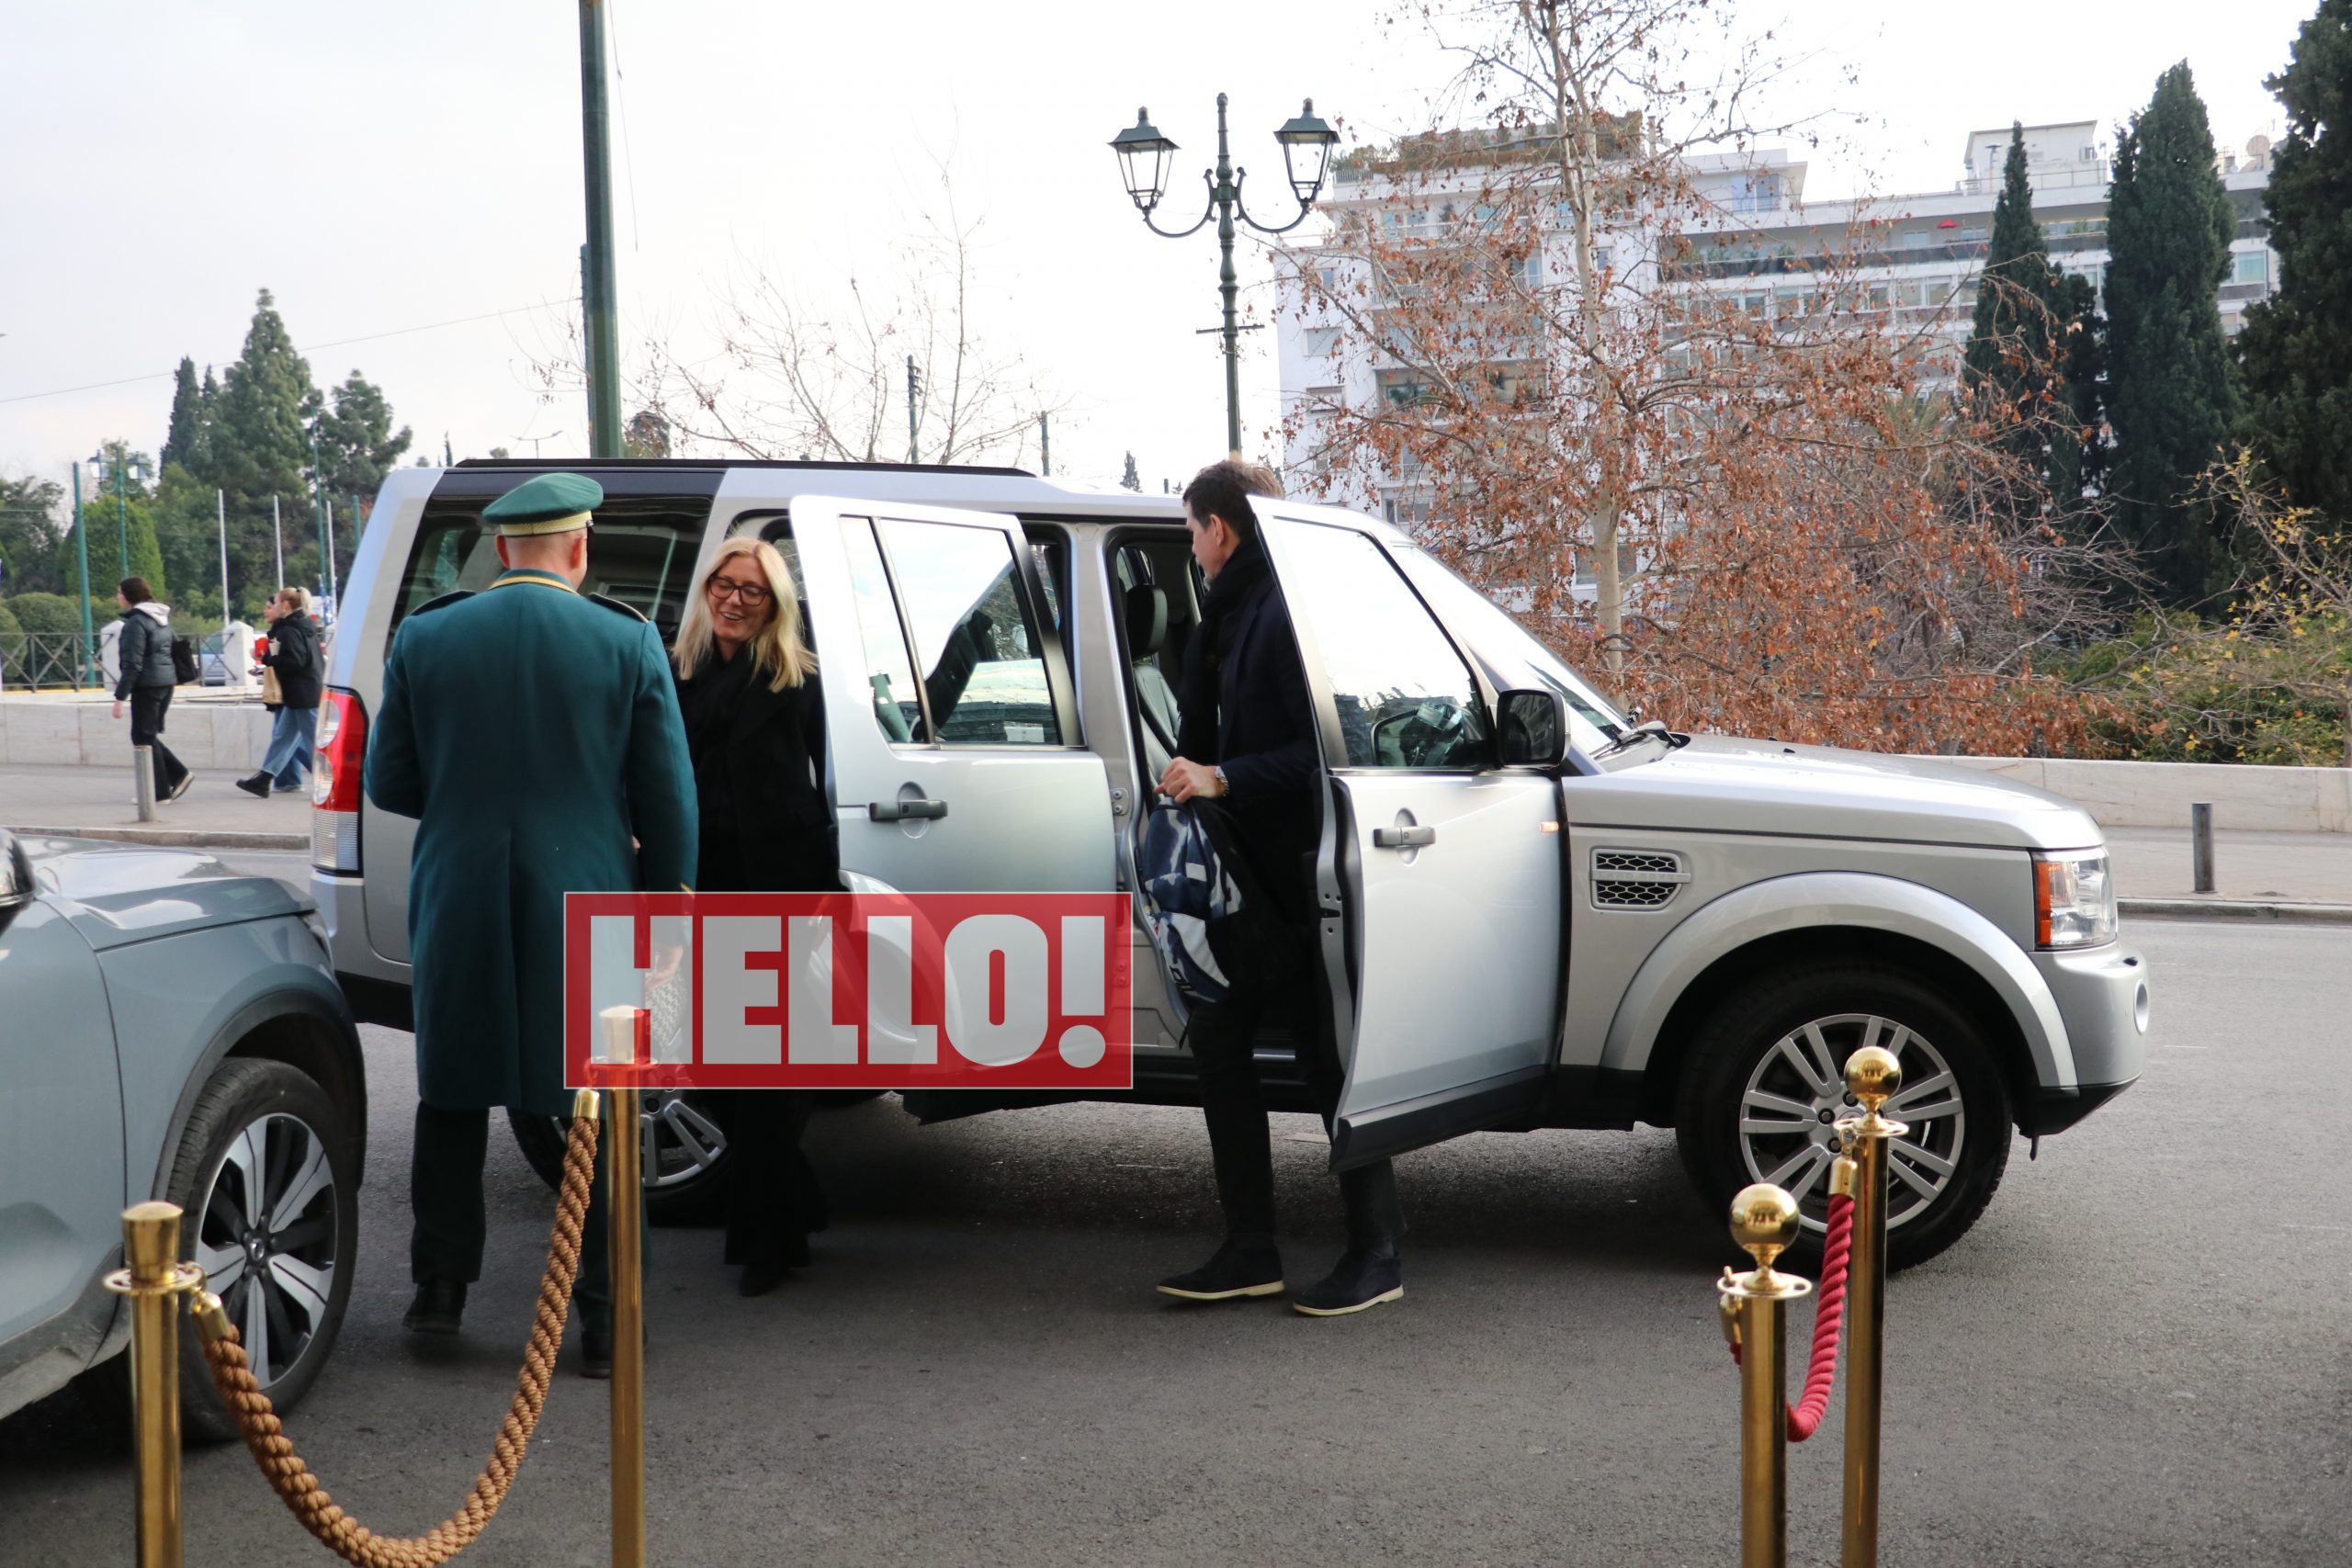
(595, 1351)
(1234, 1273)
(1358, 1281)
(438, 1309)
(257, 787)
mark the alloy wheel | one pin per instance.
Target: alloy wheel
(266, 1239)
(1797, 1091)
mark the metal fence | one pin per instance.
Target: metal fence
(48, 662)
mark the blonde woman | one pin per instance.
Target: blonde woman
(755, 729)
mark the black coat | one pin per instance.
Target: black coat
(1260, 729)
(294, 654)
(146, 654)
(777, 835)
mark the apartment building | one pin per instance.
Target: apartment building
(1919, 259)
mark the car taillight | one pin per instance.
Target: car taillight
(335, 783)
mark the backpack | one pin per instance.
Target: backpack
(184, 669)
(1204, 908)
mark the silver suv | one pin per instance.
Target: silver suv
(1536, 913)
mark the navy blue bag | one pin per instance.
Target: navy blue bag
(1205, 914)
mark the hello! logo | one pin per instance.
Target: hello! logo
(850, 990)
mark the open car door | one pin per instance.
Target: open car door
(950, 717)
(1439, 876)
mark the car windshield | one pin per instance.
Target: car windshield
(1513, 657)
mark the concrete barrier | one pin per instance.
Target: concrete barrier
(2158, 795)
(65, 732)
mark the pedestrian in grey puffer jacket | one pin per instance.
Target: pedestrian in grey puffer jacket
(147, 681)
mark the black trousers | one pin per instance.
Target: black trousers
(772, 1199)
(446, 1201)
(1223, 1036)
(147, 705)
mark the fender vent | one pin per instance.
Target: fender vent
(1636, 879)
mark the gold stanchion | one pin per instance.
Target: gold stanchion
(151, 1245)
(1871, 1075)
(623, 1175)
(1763, 1221)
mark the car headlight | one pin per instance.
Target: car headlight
(2074, 899)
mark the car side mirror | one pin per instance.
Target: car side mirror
(1534, 726)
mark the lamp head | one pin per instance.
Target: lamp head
(1142, 161)
(1307, 143)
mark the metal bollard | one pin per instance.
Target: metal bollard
(150, 1243)
(1764, 1220)
(2201, 846)
(142, 758)
(1873, 1075)
(624, 1137)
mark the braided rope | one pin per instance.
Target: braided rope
(1828, 1321)
(292, 1479)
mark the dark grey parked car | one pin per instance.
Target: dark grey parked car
(170, 1029)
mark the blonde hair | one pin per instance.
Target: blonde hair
(298, 597)
(779, 649)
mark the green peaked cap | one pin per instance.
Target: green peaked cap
(551, 503)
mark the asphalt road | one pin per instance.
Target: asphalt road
(2138, 1357)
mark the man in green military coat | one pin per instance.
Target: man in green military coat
(533, 732)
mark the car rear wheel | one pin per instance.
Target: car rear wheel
(266, 1177)
(1765, 1081)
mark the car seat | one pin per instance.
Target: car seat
(1155, 699)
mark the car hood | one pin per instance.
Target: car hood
(1720, 784)
(116, 893)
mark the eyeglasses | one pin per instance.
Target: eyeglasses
(751, 593)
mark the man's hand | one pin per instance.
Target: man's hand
(117, 710)
(666, 963)
(1183, 780)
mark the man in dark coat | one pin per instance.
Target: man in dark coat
(534, 733)
(1248, 742)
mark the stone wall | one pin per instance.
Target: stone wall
(2158, 795)
(203, 733)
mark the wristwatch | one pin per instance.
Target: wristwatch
(1224, 784)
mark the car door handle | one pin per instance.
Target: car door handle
(906, 810)
(1403, 837)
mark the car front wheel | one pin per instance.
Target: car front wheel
(268, 1180)
(1764, 1083)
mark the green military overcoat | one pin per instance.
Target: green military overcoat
(532, 732)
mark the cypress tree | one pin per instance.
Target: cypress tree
(2010, 367)
(261, 441)
(2170, 394)
(1130, 479)
(185, 437)
(2296, 350)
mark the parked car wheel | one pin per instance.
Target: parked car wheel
(267, 1179)
(1765, 1079)
(684, 1153)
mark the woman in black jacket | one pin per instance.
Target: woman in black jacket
(755, 727)
(294, 658)
(147, 679)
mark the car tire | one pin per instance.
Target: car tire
(1768, 1065)
(685, 1163)
(283, 1265)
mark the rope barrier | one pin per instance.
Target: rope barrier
(292, 1479)
(1828, 1320)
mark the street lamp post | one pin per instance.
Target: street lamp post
(1307, 143)
(101, 463)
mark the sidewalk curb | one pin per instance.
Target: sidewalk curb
(180, 838)
(2237, 910)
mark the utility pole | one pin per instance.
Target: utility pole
(227, 615)
(599, 313)
(1044, 447)
(277, 537)
(914, 411)
(81, 566)
(319, 504)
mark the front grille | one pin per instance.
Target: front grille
(1636, 879)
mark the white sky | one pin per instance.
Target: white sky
(383, 169)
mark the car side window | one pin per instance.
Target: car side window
(977, 640)
(898, 702)
(1404, 696)
(640, 551)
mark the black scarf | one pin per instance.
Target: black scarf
(1243, 570)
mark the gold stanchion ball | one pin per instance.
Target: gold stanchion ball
(1763, 1221)
(1872, 1075)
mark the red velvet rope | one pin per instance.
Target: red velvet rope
(1829, 1319)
